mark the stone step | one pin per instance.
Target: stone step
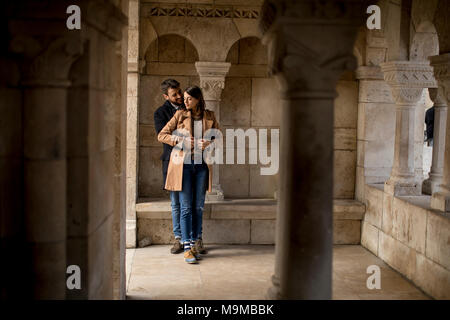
(252, 221)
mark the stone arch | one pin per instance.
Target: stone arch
(248, 50)
(158, 49)
(147, 34)
(211, 37)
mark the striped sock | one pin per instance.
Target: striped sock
(187, 246)
(192, 243)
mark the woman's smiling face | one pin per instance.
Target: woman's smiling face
(189, 101)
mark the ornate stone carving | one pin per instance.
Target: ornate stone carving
(212, 78)
(408, 79)
(200, 11)
(212, 88)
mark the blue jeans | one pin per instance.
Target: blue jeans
(192, 200)
(175, 202)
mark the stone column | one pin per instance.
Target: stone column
(431, 184)
(307, 71)
(45, 162)
(407, 80)
(440, 200)
(212, 82)
(374, 99)
(132, 123)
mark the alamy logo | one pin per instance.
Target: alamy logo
(214, 152)
(374, 21)
(74, 20)
(373, 281)
(74, 280)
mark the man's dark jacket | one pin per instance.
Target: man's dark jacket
(429, 121)
(162, 115)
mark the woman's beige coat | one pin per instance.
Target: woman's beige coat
(182, 121)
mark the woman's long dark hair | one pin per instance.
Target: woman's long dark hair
(196, 92)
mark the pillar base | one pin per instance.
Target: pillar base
(273, 293)
(215, 195)
(430, 185)
(400, 188)
(441, 201)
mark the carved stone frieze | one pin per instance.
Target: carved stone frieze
(200, 11)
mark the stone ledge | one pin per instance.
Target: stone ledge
(260, 209)
(253, 221)
(348, 210)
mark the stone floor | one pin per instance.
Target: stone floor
(244, 271)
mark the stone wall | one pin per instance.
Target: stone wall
(409, 236)
(250, 99)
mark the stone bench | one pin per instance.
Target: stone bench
(242, 221)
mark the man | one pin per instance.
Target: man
(429, 121)
(174, 100)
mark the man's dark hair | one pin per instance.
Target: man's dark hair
(169, 83)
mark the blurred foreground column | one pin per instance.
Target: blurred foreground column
(310, 45)
(45, 161)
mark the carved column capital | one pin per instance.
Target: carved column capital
(407, 80)
(441, 67)
(437, 96)
(212, 78)
(303, 65)
(47, 65)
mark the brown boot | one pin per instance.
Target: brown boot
(196, 253)
(177, 247)
(199, 247)
(189, 257)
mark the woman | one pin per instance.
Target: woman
(187, 171)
